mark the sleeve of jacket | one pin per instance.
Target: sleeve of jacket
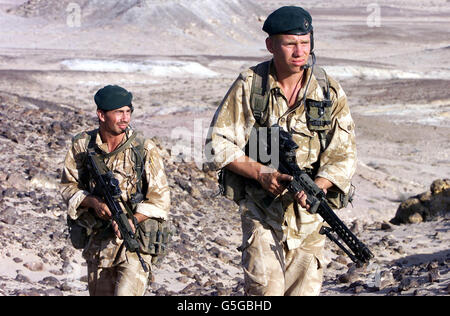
(73, 189)
(231, 126)
(338, 161)
(157, 200)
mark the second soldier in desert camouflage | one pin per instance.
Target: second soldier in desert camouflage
(135, 162)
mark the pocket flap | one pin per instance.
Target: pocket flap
(301, 128)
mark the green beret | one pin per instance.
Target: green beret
(288, 20)
(112, 98)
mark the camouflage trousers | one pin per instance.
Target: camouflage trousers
(126, 279)
(113, 271)
(271, 269)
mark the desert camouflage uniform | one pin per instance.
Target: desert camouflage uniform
(111, 269)
(282, 251)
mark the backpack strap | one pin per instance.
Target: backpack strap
(138, 147)
(232, 185)
(318, 113)
(322, 79)
(92, 146)
(259, 94)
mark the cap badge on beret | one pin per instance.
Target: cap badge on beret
(288, 20)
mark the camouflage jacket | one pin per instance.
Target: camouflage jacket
(76, 183)
(230, 131)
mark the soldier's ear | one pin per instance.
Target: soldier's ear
(101, 115)
(269, 44)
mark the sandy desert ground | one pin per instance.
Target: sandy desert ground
(179, 59)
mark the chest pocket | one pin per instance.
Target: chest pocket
(123, 169)
(308, 142)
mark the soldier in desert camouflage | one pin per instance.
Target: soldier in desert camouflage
(282, 250)
(111, 269)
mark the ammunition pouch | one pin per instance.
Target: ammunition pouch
(154, 237)
(232, 185)
(81, 229)
(77, 234)
(319, 114)
(337, 199)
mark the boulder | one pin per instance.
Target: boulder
(426, 206)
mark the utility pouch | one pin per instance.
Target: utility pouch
(338, 200)
(319, 114)
(77, 234)
(232, 185)
(81, 228)
(154, 238)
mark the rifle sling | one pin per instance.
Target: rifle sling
(93, 146)
(101, 156)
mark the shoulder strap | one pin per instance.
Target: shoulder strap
(259, 95)
(138, 144)
(319, 112)
(322, 79)
(92, 145)
(91, 140)
(92, 148)
(139, 152)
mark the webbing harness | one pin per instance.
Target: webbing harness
(318, 113)
(137, 146)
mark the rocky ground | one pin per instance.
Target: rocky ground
(38, 259)
(399, 99)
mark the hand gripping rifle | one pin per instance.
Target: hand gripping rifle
(108, 187)
(358, 252)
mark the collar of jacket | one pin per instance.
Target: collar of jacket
(104, 146)
(314, 91)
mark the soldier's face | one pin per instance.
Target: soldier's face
(115, 121)
(290, 52)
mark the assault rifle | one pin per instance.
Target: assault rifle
(108, 187)
(358, 252)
